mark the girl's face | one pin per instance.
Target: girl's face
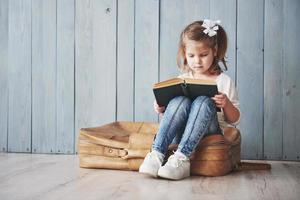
(199, 56)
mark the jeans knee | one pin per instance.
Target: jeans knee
(180, 100)
(201, 99)
(205, 102)
(181, 105)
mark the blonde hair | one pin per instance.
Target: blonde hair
(194, 31)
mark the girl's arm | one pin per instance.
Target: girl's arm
(231, 113)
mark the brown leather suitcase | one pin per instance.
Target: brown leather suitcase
(118, 145)
(124, 145)
(216, 154)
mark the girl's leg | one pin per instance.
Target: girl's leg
(202, 120)
(178, 137)
(172, 123)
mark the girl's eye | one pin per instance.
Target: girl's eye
(191, 56)
(203, 55)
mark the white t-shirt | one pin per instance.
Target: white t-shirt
(225, 85)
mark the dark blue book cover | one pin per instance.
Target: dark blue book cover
(192, 88)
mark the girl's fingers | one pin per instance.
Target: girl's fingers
(219, 103)
(219, 96)
(216, 100)
(220, 100)
(160, 109)
(157, 106)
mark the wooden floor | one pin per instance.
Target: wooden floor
(41, 177)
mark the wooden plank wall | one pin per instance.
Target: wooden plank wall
(273, 74)
(80, 63)
(290, 80)
(250, 74)
(19, 76)
(3, 74)
(95, 61)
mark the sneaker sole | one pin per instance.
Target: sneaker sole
(171, 178)
(148, 172)
(162, 175)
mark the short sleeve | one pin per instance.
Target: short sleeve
(234, 98)
(227, 86)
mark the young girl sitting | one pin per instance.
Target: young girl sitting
(202, 46)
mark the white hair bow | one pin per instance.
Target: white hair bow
(211, 27)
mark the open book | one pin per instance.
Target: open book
(192, 88)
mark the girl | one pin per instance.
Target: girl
(202, 46)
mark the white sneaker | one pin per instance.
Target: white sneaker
(177, 167)
(152, 163)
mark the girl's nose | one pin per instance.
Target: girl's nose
(197, 59)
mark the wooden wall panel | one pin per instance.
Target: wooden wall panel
(273, 60)
(44, 76)
(65, 77)
(95, 65)
(291, 81)
(125, 60)
(250, 75)
(19, 61)
(3, 74)
(171, 25)
(146, 58)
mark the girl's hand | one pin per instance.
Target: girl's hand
(158, 109)
(221, 100)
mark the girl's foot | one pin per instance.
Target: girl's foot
(177, 167)
(152, 163)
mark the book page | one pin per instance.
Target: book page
(199, 81)
(169, 82)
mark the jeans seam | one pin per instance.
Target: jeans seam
(193, 124)
(193, 127)
(169, 125)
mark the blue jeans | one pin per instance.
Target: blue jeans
(185, 122)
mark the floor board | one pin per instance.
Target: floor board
(40, 176)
